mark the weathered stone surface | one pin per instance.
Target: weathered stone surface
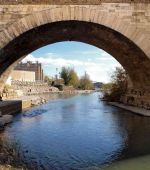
(133, 109)
(5, 119)
(64, 2)
(124, 50)
(10, 107)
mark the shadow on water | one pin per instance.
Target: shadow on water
(35, 112)
(78, 132)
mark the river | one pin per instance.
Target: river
(78, 133)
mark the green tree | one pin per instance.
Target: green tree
(64, 74)
(85, 82)
(73, 78)
(69, 76)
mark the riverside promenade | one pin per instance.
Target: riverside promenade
(136, 110)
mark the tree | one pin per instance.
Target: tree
(70, 77)
(47, 80)
(85, 82)
(117, 86)
(119, 81)
(73, 78)
(106, 87)
(64, 74)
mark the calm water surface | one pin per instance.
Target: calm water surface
(78, 132)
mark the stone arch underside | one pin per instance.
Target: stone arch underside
(98, 29)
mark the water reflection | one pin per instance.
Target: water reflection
(78, 132)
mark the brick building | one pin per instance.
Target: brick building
(33, 67)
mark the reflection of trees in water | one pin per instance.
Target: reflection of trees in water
(53, 96)
(137, 139)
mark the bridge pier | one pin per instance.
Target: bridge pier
(137, 97)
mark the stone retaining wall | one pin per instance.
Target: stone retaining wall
(10, 107)
(26, 104)
(138, 98)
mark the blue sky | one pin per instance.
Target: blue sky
(82, 57)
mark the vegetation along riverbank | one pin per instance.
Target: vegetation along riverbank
(118, 92)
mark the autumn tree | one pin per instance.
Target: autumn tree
(69, 76)
(117, 86)
(73, 78)
(85, 82)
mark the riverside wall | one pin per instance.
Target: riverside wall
(10, 107)
(137, 98)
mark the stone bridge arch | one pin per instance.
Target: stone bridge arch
(125, 42)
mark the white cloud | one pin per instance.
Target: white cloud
(59, 61)
(101, 72)
(97, 68)
(51, 60)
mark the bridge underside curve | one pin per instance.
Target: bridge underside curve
(129, 55)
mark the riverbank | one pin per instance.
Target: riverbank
(137, 163)
(36, 99)
(7, 110)
(23, 103)
(9, 167)
(136, 110)
(10, 107)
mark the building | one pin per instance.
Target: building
(16, 75)
(23, 75)
(32, 67)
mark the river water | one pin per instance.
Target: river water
(78, 133)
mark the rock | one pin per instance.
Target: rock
(1, 129)
(5, 119)
(0, 114)
(2, 123)
(43, 101)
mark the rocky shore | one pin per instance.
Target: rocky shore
(4, 120)
(9, 167)
(10, 158)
